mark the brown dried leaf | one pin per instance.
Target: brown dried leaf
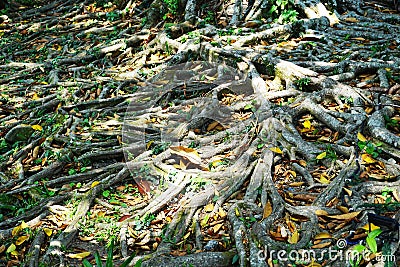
(79, 255)
(321, 213)
(346, 216)
(267, 210)
(217, 227)
(323, 235)
(350, 19)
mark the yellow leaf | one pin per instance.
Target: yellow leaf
(321, 213)
(324, 179)
(190, 153)
(148, 145)
(358, 39)
(367, 226)
(15, 253)
(37, 127)
(182, 165)
(176, 166)
(58, 106)
(16, 230)
(348, 191)
(343, 209)
(267, 210)
(216, 163)
(204, 221)
(209, 207)
(186, 236)
(347, 216)
(322, 155)
(79, 255)
(307, 124)
(185, 149)
(395, 195)
(276, 150)
(95, 183)
(210, 78)
(24, 225)
(361, 137)
(294, 238)
(314, 264)
(21, 240)
(382, 177)
(217, 227)
(11, 248)
(367, 158)
(237, 213)
(295, 184)
(351, 19)
(35, 96)
(48, 231)
(323, 235)
(221, 212)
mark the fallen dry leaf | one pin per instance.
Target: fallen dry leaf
(79, 255)
(347, 216)
(323, 235)
(267, 210)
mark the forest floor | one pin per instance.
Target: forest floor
(231, 141)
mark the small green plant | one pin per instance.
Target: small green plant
(197, 183)
(71, 171)
(172, 6)
(370, 148)
(247, 221)
(390, 123)
(160, 148)
(356, 256)
(143, 21)
(215, 164)
(371, 240)
(282, 11)
(112, 16)
(359, 251)
(288, 16)
(348, 100)
(390, 204)
(378, 48)
(302, 83)
(109, 260)
(210, 17)
(148, 219)
(330, 153)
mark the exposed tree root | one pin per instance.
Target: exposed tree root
(197, 143)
